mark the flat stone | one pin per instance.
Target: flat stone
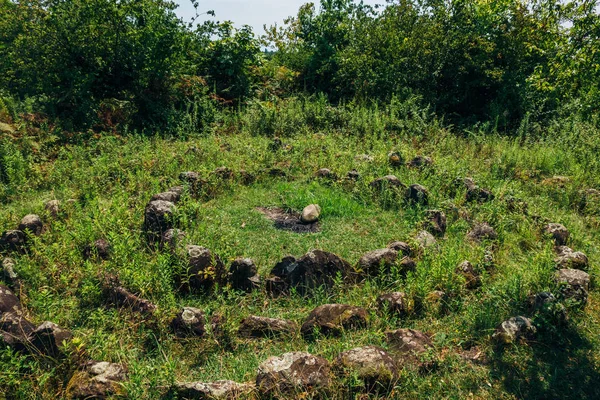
(256, 327)
(333, 319)
(373, 262)
(219, 390)
(371, 364)
(97, 380)
(293, 374)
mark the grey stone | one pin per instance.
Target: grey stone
(256, 327)
(417, 194)
(205, 269)
(333, 319)
(31, 223)
(481, 232)
(291, 374)
(371, 364)
(395, 303)
(50, 339)
(189, 321)
(97, 380)
(219, 390)
(310, 214)
(514, 329)
(472, 279)
(558, 232)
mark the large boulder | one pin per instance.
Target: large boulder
(574, 284)
(158, 218)
(371, 263)
(189, 321)
(333, 319)
(255, 327)
(292, 374)
(514, 329)
(407, 344)
(558, 232)
(97, 380)
(219, 390)
(395, 303)
(15, 330)
(373, 365)
(9, 302)
(243, 275)
(50, 339)
(169, 196)
(31, 223)
(567, 258)
(205, 269)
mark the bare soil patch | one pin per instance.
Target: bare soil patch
(288, 220)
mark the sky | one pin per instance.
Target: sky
(255, 13)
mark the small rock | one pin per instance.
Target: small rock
(100, 249)
(310, 214)
(169, 196)
(395, 159)
(121, 297)
(205, 269)
(388, 181)
(482, 232)
(193, 181)
(53, 208)
(256, 327)
(276, 286)
(332, 319)
(50, 339)
(567, 258)
(472, 278)
(371, 364)
(243, 275)
(291, 374)
(426, 239)
(575, 284)
(475, 193)
(15, 330)
(353, 175)
(436, 222)
(9, 302)
(189, 322)
(516, 205)
(325, 173)
(13, 240)
(177, 190)
(31, 223)
(158, 218)
(513, 330)
(417, 194)
(420, 162)
(8, 267)
(172, 238)
(559, 233)
(223, 173)
(97, 380)
(374, 261)
(406, 344)
(402, 248)
(219, 390)
(546, 304)
(393, 303)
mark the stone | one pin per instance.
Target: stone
(277, 172)
(13, 240)
(15, 330)
(402, 248)
(315, 269)
(333, 319)
(31, 223)
(436, 222)
(169, 196)
(406, 344)
(426, 239)
(558, 232)
(53, 208)
(547, 304)
(395, 159)
(475, 193)
(395, 303)
(246, 178)
(292, 374)
(388, 181)
(437, 300)
(472, 279)
(50, 339)
(420, 162)
(575, 284)
(417, 194)
(179, 190)
(189, 321)
(8, 268)
(243, 275)
(310, 214)
(219, 390)
(190, 177)
(276, 286)
(353, 175)
(481, 232)
(567, 258)
(256, 327)
(100, 249)
(325, 173)
(9, 302)
(373, 365)
(223, 173)
(158, 218)
(371, 263)
(121, 297)
(205, 269)
(97, 380)
(172, 238)
(514, 329)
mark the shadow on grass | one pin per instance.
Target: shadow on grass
(557, 366)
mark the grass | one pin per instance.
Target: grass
(111, 179)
